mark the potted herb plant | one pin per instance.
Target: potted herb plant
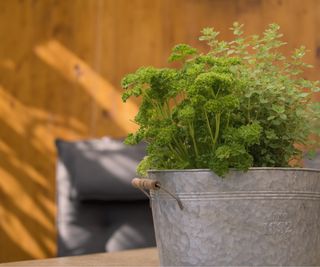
(223, 131)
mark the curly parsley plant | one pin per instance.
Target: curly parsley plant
(242, 104)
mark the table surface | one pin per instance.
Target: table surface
(137, 257)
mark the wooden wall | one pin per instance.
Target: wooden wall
(60, 67)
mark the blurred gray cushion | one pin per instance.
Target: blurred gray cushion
(101, 169)
(98, 210)
(313, 163)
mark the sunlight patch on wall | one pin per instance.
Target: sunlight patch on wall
(14, 215)
(76, 70)
(8, 64)
(33, 122)
(11, 187)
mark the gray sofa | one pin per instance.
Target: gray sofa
(98, 209)
(314, 163)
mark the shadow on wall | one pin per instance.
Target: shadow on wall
(30, 121)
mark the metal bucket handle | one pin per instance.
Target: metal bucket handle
(147, 184)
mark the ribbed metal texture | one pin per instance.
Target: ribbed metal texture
(264, 217)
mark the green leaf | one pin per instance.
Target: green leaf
(278, 109)
(270, 134)
(303, 95)
(181, 51)
(270, 118)
(223, 152)
(283, 116)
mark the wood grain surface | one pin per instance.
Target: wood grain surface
(139, 257)
(61, 63)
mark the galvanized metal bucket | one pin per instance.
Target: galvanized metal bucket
(263, 217)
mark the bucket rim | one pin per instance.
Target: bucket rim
(234, 170)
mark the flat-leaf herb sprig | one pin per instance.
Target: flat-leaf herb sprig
(242, 104)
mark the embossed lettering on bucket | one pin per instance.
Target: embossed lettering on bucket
(266, 216)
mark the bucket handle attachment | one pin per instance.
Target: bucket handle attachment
(147, 184)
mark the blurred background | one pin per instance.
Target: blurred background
(61, 63)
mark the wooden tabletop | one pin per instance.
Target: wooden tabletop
(137, 257)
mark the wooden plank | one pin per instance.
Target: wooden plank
(137, 257)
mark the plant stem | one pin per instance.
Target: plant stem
(228, 120)
(182, 147)
(167, 108)
(217, 117)
(248, 110)
(191, 131)
(209, 128)
(216, 95)
(175, 153)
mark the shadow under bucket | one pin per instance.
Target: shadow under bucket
(266, 216)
